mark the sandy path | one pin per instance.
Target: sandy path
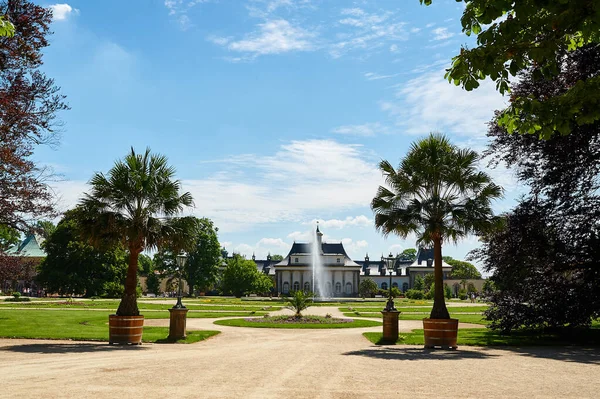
(268, 363)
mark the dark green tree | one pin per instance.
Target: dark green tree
(419, 283)
(153, 283)
(241, 277)
(409, 254)
(531, 35)
(428, 281)
(44, 227)
(136, 204)
(9, 237)
(202, 267)
(462, 269)
(367, 288)
(145, 265)
(72, 266)
(277, 257)
(438, 194)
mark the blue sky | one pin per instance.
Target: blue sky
(274, 112)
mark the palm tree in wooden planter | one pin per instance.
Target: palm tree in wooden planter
(135, 204)
(438, 194)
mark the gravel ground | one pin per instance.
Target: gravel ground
(275, 363)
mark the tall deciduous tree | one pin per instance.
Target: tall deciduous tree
(409, 254)
(29, 103)
(9, 237)
(72, 266)
(462, 269)
(514, 36)
(545, 261)
(136, 204)
(241, 277)
(438, 194)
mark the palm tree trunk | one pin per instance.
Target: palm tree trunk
(128, 305)
(439, 310)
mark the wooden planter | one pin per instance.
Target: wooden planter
(440, 333)
(125, 329)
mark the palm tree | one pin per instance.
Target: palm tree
(135, 204)
(438, 194)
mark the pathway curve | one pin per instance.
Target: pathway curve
(277, 363)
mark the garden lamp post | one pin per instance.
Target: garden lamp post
(181, 260)
(178, 313)
(390, 260)
(390, 313)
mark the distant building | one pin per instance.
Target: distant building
(342, 275)
(30, 253)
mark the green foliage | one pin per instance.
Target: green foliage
(462, 294)
(419, 283)
(396, 293)
(462, 270)
(488, 287)
(7, 29)
(428, 281)
(9, 237)
(447, 291)
(415, 294)
(241, 277)
(277, 257)
(471, 288)
(136, 204)
(299, 301)
(513, 37)
(153, 283)
(45, 228)
(439, 194)
(322, 323)
(16, 294)
(430, 292)
(145, 265)
(367, 288)
(409, 254)
(73, 267)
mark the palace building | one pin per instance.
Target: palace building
(341, 274)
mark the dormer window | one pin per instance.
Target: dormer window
(338, 260)
(296, 260)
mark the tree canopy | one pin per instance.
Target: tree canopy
(29, 106)
(516, 36)
(409, 254)
(462, 269)
(544, 262)
(241, 277)
(8, 237)
(72, 266)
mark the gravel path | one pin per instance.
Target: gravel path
(276, 363)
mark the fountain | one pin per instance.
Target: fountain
(318, 280)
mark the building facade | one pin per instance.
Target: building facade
(341, 275)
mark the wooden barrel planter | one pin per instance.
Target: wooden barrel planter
(440, 333)
(125, 329)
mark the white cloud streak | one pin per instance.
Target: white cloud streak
(61, 12)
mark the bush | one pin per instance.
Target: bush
(18, 299)
(415, 294)
(462, 294)
(447, 291)
(367, 288)
(16, 295)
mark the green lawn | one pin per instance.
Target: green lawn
(75, 325)
(485, 337)
(245, 323)
(465, 318)
(456, 309)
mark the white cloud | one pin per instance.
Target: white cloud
(442, 34)
(274, 37)
(355, 248)
(376, 76)
(180, 8)
(359, 221)
(394, 48)
(396, 248)
(218, 40)
(430, 103)
(61, 12)
(366, 130)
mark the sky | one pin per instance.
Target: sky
(275, 113)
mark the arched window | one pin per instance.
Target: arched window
(338, 288)
(348, 288)
(296, 286)
(404, 287)
(286, 288)
(384, 286)
(307, 287)
(395, 285)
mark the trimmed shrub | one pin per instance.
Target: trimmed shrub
(462, 294)
(415, 294)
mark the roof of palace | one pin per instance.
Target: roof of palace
(30, 247)
(423, 255)
(328, 248)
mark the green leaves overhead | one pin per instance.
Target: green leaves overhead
(530, 34)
